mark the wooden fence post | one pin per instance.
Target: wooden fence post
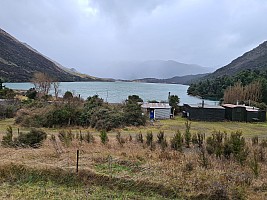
(77, 162)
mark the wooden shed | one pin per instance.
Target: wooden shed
(157, 110)
(244, 113)
(203, 112)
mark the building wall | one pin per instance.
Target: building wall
(162, 113)
(206, 114)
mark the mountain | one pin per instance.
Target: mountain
(19, 61)
(159, 69)
(256, 59)
(186, 80)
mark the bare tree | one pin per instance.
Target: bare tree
(56, 88)
(42, 83)
(235, 93)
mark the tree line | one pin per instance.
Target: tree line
(246, 85)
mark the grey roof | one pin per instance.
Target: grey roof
(205, 106)
(156, 105)
(248, 108)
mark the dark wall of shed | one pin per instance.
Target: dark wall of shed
(206, 114)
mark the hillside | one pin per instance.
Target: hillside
(186, 80)
(248, 68)
(256, 59)
(19, 61)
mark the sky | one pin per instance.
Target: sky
(92, 35)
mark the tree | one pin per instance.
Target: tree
(174, 100)
(134, 99)
(56, 88)
(42, 83)
(133, 114)
(68, 95)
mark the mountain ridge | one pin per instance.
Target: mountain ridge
(255, 59)
(19, 61)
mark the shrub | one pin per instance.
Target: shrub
(103, 137)
(254, 164)
(133, 114)
(187, 135)
(31, 93)
(164, 144)
(149, 138)
(194, 138)
(215, 144)
(120, 139)
(68, 95)
(89, 137)
(200, 139)
(65, 137)
(177, 141)
(160, 136)
(33, 139)
(240, 150)
(203, 159)
(139, 138)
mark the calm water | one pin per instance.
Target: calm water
(115, 92)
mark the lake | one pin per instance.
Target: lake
(116, 92)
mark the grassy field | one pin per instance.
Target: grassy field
(131, 171)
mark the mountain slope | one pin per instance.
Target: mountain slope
(160, 69)
(186, 80)
(256, 59)
(18, 63)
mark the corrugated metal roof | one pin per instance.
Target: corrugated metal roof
(205, 106)
(156, 105)
(248, 108)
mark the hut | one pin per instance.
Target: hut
(244, 113)
(203, 112)
(157, 110)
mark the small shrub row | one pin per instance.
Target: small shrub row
(33, 139)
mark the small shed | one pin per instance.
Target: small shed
(235, 112)
(157, 110)
(244, 113)
(203, 112)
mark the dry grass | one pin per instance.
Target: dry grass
(136, 172)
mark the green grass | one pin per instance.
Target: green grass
(21, 182)
(172, 125)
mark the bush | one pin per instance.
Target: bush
(31, 93)
(33, 139)
(139, 138)
(240, 150)
(65, 137)
(177, 141)
(103, 137)
(89, 137)
(160, 136)
(149, 138)
(133, 114)
(187, 135)
(120, 139)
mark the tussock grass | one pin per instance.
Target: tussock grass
(134, 170)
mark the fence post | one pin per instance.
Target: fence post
(77, 162)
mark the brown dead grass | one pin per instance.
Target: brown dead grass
(134, 165)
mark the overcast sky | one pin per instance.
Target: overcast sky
(89, 34)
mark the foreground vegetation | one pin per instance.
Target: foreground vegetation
(164, 164)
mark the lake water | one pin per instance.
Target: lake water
(116, 92)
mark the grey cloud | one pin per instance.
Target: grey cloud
(92, 35)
